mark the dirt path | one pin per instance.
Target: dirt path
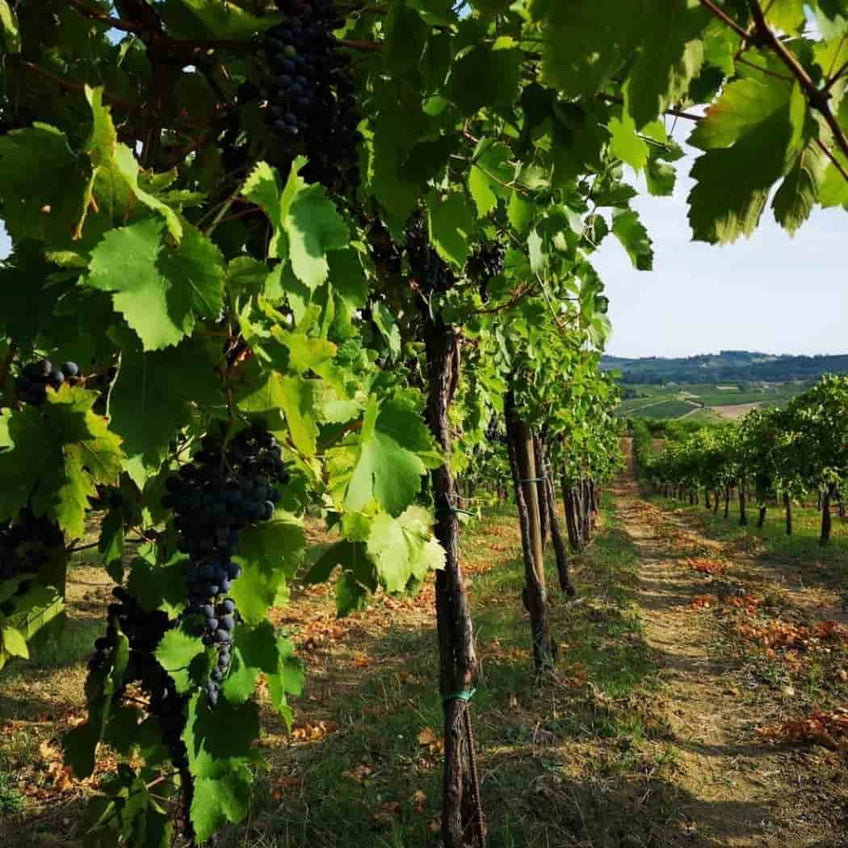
(739, 791)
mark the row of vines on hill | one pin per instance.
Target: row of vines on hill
(271, 257)
(772, 455)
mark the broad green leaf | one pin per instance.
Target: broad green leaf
(218, 741)
(626, 144)
(216, 801)
(158, 587)
(287, 680)
(345, 553)
(149, 402)
(298, 401)
(351, 595)
(81, 743)
(263, 188)
(799, 191)
(182, 655)
(314, 228)
(10, 36)
(385, 322)
(485, 76)
(254, 651)
(13, 642)
(387, 463)
(160, 292)
(634, 238)
(405, 39)
(670, 57)
(585, 41)
(111, 544)
(403, 548)
(42, 184)
(520, 212)
(451, 223)
(751, 136)
(61, 451)
(268, 554)
(489, 177)
(215, 19)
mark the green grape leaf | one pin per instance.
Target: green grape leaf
(345, 553)
(149, 404)
(485, 75)
(159, 292)
(585, 42)
(80, 744)
(388, 462)
(42, 184)
(111, 544)
(314, 228)
(520, 212)
(254, 651)
(183, 656)
(403, 548)
(351, 595)
(799, 191)
(10, 35)
(216, 801)
(670, 57)
(626, 144)
(286, 680)
(263, 188)
(398, 126)
(268, 554)
(634, 238)
(660, 177)
(490, 175)
(385, 322)
(218, 741)
(12, 642)
(40, 604)
(215, 19)
(405, 39)
(751, 137)
(158, 587)
(61, 451)
(298, 403)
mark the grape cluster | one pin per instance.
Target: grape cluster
(27, 543)
(144, 630)
(484, 264)
(311, 101)
(428, 269)
(225, 488)
(32, 384)
(494, 434)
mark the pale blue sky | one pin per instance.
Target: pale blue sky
(769, 293)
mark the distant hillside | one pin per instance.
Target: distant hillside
(729, 365)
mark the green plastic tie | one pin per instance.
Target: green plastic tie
(452, 510)
(465, 695)
(533, 480)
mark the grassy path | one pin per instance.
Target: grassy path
(739, 790)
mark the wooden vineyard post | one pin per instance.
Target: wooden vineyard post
(523, 466)
(462, 820)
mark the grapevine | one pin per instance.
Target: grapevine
(285, 216)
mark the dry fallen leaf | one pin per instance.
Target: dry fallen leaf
(427, 736)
